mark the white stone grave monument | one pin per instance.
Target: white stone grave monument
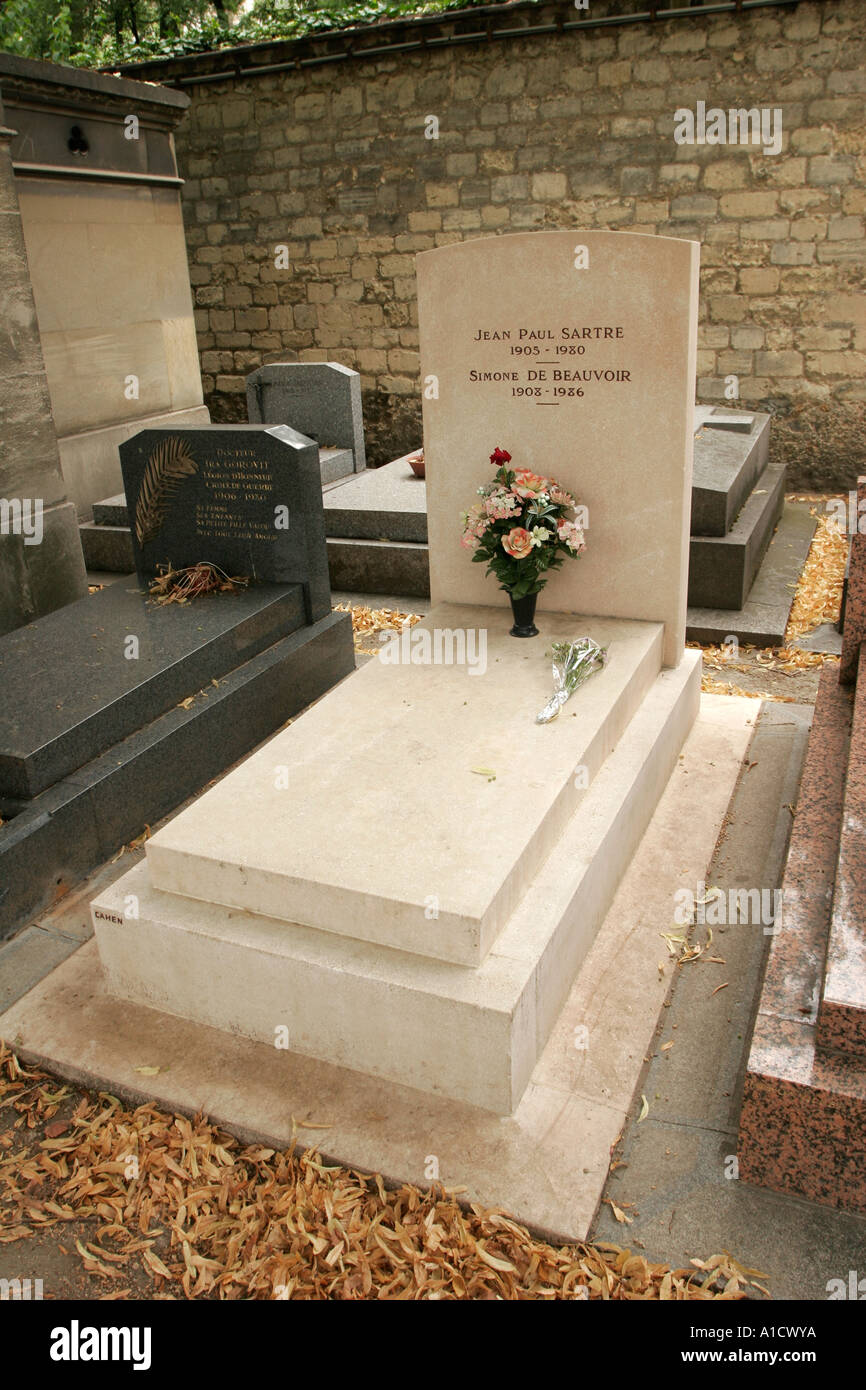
(409, 877)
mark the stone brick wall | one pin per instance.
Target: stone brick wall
(560, 130)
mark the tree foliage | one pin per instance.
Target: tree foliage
(102, 33)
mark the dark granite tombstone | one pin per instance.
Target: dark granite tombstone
(117, 708)
(323, 399)
(247, 498)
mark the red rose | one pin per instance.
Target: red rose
(498, 457)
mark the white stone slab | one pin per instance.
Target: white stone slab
(399, 755)
(624, 447)
(547, 1163)
(471, 1034)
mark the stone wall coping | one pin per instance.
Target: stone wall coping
(481, 24)
(47, 83)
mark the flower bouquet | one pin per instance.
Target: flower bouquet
(523, 526)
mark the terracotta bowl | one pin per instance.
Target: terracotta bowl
(416, 463)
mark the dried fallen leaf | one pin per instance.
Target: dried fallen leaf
(618, 1212)
(236, 1221)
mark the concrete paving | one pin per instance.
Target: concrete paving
(678, 1170)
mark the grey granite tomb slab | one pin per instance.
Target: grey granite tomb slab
(723, 568)
(247, 498)
(321, 399)
(727, 464)
(63, 833)
(111, 511)
(380, 504)
(763, 618)
(723, 418)
(107, 549)
(71, 691)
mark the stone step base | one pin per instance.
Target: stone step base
(379, 567)
(723, 568)
(763, 618)
(74, 687)
(107, 549)
(472, 1034)
(111, 511)
(59, 836)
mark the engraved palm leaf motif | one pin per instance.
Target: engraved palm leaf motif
(166, 469)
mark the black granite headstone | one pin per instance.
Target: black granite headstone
(247, 498)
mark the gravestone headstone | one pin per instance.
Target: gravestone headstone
(247, 498)
(472, 988)
(321, 399)
(575, 351)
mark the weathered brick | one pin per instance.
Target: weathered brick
(615, 74)
(746, 337)
(808, 229)
(505, 81)
(830, 169)
(637, 179)
(461, 165)
(726, 174)
(495, 216)
(758, 280)
(851, 364)
(728, 308)
(811, 140)
(760, 204)
(425, 221)
(817, 338)
(311, 106)
(693, 205)
(779, 363)
(652, 70)
(771, 229)
(713, 335)
(548, 187)
(675, 173)
(442, 195)
(509, 188)
(735, 363)
(845, 228)
(684, 38)
(792, 253)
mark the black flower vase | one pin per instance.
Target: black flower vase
(523, 610)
